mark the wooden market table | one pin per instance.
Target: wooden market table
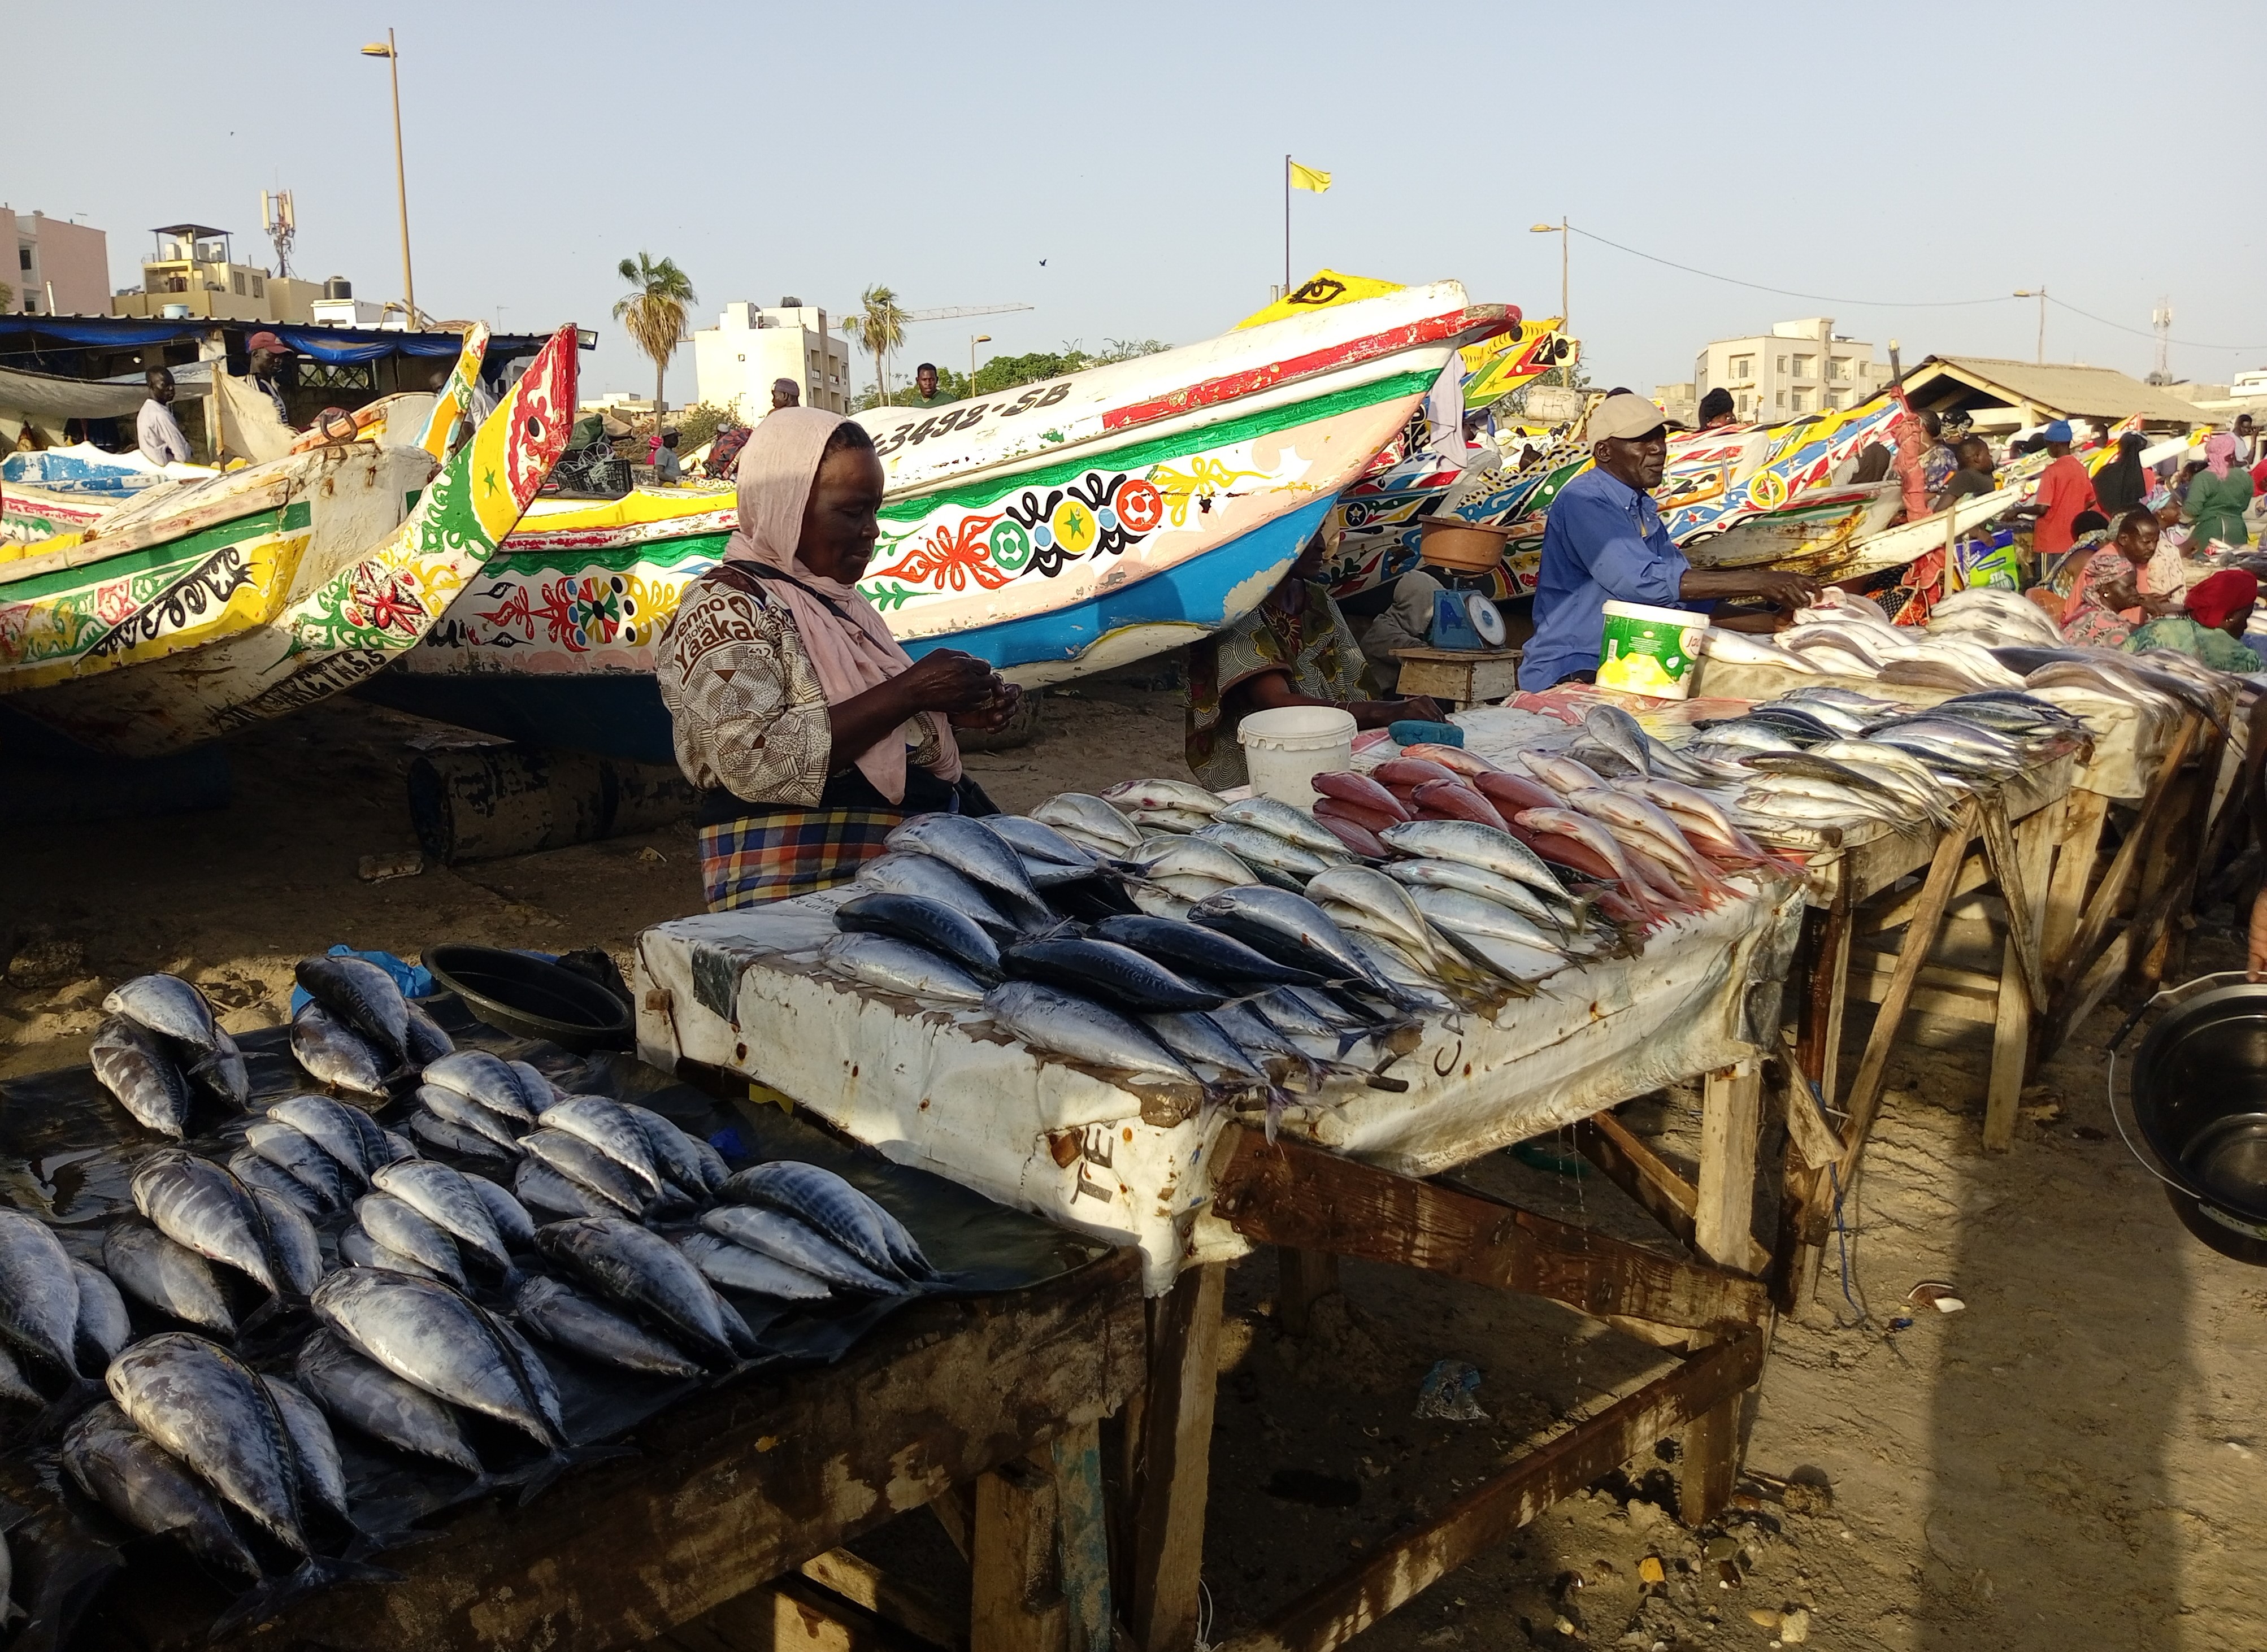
(763, 1480)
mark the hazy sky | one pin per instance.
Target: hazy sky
(1121, 168)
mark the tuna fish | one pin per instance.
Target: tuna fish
(781, 1238)
(300, 1158)
(39, 1291)
(606, 1127)
(1105, 970)
(925, 922)
(736, 1267)
(428, 1043)
(436, 1339)
(1291, 929)
(364, 1394)
(103, 1327)
(131, 1065)
(335, 1127)
(447, 1199)
(512, 1223)
(362, 995)
(334, 1054)
(895, 966)
(322, 1476)
(931, 879)
(539, 1188)
(196, 1203)
(1195, 949)
(491, 1081)
(1090, 817)
(169, 1277)
(560, 1317)
(292, 1238)
(256, 1172)
(167, 1005)
(498, 1132)
(854, 1220)
(587, 1168)
(358, 1249)
(1064, 1024)
(681, 1158)
(975, 851)
(399, 1226)
(644, 1273)
(210, 1410)
(123, 1469)
(1476, 845)
(1281, 820)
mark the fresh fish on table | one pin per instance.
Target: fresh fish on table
(1620, 733)
(1191, 857)
(1396, 965)
(335, 1127)
(1455, 798)
(973, 850)
(678, 1154)
(209, 1409)
(298, 1156)
(358, 1249)
(586, 1167)
(1281, 820)
(336, 1054)
(399, 1226)
(891, 964)
(736, 1267)
(1406, 773)
(196, 1203)
(1258, 848)
(1064, 1024)
(490, 1133)
(447, 1199)
(1595, 839)
(1115, 974)
(1453, 758)
(428, 1043)
(361, 994)
(364, 1394)
(931, 879)
(1203, 1043)
(1162, 794)
(298, 1251)
(1083, 816)
(166, 1276)
(1561, 773)
(1488, 885)
(1476, 845)
(574, 1322)
(846, 1214)
(539, 1188)
(1345, 786)
(170, 1006)
(1735, 648)
(494, 1082)
(1459, 914)
(132, 1066)
(775, 1234)
(645, 1273)
(1179, 822)
(1291, 929)
(1039, 844)
(322, 1476)
(436, 1132)
(1378, 904)
(1358, 836)
(513, 1225)
(930, 923)
(103, 1327)
(1194, 948)
(435, 1337)
(606, 1127)
(147, 1489)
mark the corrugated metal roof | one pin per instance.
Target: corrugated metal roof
(2091, 392)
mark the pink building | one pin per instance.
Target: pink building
(59, 268)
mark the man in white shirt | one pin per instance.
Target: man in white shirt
(157, 432)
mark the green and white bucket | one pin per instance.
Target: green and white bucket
(1650, 650)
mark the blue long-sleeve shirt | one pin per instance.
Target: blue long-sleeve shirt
(1604, 542)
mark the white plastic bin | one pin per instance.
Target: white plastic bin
(1285, 749)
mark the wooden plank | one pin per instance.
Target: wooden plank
(1975, 874)
(2087, 941)
(1173, 1476)
(2075, 848)
(2015, 893)
(1015, 1588)
(940, 1622)
(1083, 1550)
(1808, 1125)
(1954, 1000)
(1836, 961)
(1293, 1194)
(1302, 1278)
(2011, 1031)
(1731, 1116)
(1920, 940)
(791, 1615)
(1334, 1611)
(1638, 1171)
(737, 1485)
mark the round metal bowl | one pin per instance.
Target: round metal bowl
(532, 997)
(2199, 1104)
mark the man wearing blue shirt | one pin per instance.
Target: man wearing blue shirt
(1604, 543)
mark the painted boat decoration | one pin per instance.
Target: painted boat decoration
(1781, 470)
(1058, 529)
(220, 603)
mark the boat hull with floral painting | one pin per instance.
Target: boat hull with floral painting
(1058, 529)
(222, 603)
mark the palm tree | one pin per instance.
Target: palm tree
(879, 328)
(653, 313)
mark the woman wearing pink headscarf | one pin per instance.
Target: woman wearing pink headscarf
(810, 733)
(2219, 497)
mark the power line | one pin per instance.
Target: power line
(2138, 333)
(1785, 292)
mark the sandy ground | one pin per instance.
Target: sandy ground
(2075, 1461)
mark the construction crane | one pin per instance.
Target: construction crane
(956, 311)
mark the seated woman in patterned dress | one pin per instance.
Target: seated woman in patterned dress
(810, 733)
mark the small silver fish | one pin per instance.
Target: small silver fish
(1281, 820)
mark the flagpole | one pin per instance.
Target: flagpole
(1287, 226)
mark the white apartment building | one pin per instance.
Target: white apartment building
(1798, 367)
(735, 362)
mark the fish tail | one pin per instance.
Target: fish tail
(259, 1605)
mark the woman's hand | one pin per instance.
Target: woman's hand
(996, 714)
(946, 680)
(1417, 709)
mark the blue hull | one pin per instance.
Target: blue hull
(622, 714)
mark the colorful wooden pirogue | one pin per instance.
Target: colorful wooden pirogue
(1055, 529)
(214, 605)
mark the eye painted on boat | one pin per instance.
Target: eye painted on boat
(534, 429)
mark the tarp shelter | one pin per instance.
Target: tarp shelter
(2026, 394)
(46, 400)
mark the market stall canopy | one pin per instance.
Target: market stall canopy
(1974, 383)
(42, 396)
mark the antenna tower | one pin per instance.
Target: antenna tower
(2161, 320)
(276, 217)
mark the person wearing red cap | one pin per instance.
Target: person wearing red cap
(2212, 628)
(269, 353)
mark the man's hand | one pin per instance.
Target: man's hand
(1418, 709)
(2257, 962)
(1784, 589)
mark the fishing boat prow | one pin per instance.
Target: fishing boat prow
(225, 602)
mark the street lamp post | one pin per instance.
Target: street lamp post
(1560, 230)
(981, 338)
(2040, 293)
(393, 55)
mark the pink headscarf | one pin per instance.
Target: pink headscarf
(777, 469)
(2218, 450)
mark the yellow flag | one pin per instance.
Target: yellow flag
(1308, 177)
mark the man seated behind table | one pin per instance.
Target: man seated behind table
(1604, 542)
(2212, 628)
(1295, 649)
(1407, 622)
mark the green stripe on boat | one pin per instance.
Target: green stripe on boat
(159, 555)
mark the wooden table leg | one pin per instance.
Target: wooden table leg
(2077, 843)
(1303, 1278)
(1173, 1462)
(2011, 1031)
(1722, 1223)
(1016, 1598)
(1076, 1454)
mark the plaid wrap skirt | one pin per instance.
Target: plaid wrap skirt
(787, 852)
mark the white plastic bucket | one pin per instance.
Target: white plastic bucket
(1286, 748)
(1646, 650)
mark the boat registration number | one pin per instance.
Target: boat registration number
(964, 416)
